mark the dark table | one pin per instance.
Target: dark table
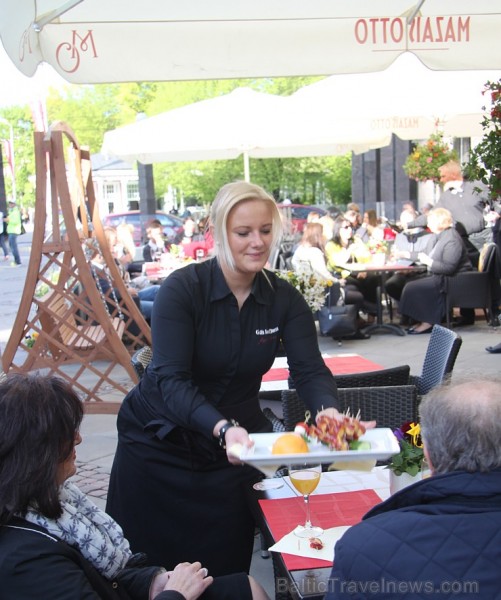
(383, 271)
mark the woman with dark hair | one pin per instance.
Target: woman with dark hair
(345, 247)
(54, 542)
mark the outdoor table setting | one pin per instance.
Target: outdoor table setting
(383, 269)
(340, 500)
(157, 271)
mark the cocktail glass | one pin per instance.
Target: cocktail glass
(305, 478)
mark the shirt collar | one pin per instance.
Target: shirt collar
(262, 287)
(454, 186)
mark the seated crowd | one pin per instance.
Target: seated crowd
(446, 239)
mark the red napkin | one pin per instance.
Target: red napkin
(337, 364)
(327, 510)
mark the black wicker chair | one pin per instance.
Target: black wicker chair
(439, 359)
(477, 289)
(470, 289)
(141, 359)
(391, 376)
(389, 406)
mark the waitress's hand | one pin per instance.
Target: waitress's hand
(237, 436)
(333, 413)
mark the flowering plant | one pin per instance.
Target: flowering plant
(485, 158)
(176, 250)
(310, 286)
(411, 455)
(30, 339)
(377, 246)
(426, 158)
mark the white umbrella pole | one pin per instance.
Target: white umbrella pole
(246, 167)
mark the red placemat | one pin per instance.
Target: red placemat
(337, 364)
(327, 510)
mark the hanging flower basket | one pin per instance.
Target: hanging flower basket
(426, 158)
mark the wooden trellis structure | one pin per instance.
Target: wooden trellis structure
(69, 324)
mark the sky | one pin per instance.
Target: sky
(16, 88)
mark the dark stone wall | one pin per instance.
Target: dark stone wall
(379, 182)
(147, 200)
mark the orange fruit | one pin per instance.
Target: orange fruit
(289, 443)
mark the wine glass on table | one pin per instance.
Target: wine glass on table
(305, 478)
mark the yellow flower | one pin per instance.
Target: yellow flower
(415, 431)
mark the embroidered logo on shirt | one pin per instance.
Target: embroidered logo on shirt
(266, 331)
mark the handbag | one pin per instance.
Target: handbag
(339, 320)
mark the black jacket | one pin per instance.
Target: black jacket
(37, 564)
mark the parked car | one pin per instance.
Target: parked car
(173, 225)
(298, 214)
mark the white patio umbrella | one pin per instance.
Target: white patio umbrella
(93, 41)
(406, 99)
(243, 122)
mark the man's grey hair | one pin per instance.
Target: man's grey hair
(461, 424)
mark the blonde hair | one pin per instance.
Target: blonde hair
(327, 225)
(226, 199)
(442, 217)
(313, 235)
(111, 236)
(125, 236)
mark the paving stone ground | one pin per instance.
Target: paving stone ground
(92, 479)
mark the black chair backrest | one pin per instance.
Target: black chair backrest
(389, 406)
(392, 376)
(490, 260)
(469, 289)
(439, 359)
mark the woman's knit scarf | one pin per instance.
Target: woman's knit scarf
(89, 529)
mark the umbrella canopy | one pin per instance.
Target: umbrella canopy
(91, 41)
(243, 122)
(406, 99)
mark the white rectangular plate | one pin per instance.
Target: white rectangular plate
(383, 445)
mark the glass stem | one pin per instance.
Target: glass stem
(308, 516)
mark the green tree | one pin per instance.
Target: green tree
(24, 160)
(91, 110)
(337, 179)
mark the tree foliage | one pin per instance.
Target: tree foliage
(22, 125)
(91, 110)
(485, 159)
